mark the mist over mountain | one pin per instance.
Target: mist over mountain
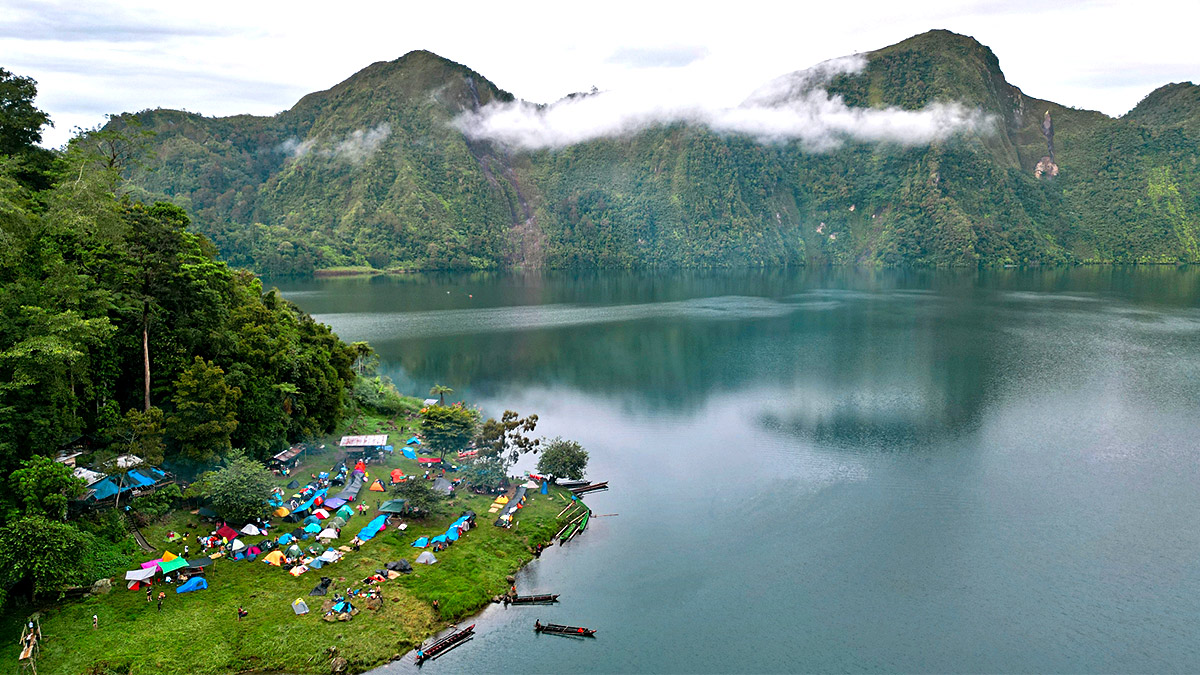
(919, 153)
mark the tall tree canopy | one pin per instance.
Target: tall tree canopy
(448, 428)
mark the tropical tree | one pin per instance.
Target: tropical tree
(486, 474)
(20, 122)
(43, 553)
(237, 491)
(448, 428)
(563, 459)
(506, 439)
(204, 416)
(44, 487)
(365, 359)
(141, 434)
(440, 390)
(419, 497)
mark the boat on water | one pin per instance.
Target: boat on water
(444, 645)
(534, 599)
(558, 629)
(562, 482)
(590, 488)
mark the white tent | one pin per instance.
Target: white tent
(299, 606)
(328, 533)
(426, 558)
(329, 556)
(531, 485)
(251, 529)
(237, 545)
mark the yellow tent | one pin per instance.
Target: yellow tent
(274, 558)
(502, 500)
(169, 556)
(281, 512)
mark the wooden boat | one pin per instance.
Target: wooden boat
(557, 629)
(534, 599)
(444, 645)
(571, 483)
(590, 488)
(582, 525)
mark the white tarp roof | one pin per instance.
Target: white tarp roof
(363, 441)
(141, 575)
(88, 475)
(128, 461)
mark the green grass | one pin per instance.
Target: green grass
(198, 633)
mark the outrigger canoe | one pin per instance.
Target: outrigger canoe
(557, 629)
(534, 599)
(444, 645)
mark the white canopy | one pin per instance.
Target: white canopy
(141, 575)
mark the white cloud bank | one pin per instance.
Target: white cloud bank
(355, 147)
(793, 107)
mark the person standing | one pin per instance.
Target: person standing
(160, 601)
(149, 591)
(95, 621)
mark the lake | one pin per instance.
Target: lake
(834, 469)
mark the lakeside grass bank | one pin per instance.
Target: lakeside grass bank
(198, 633)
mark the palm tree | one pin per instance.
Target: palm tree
(441, 391)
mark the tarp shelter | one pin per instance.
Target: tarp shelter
(293, 485)
(372, 528)
(399, 566)
(227, 532)
(408, 452)
(429, 460)
(322, 587)
(443, 486)
(274, 558)
(172, 565)
(251, 529)
(169, 556)
(299, 606)
(397, 475)
(334, 502)
(193, 584)
(205, 512)
(328, 533)
(426, 558)
(421, 542)
(144, 574)
(312, 528)
(506, 514)
(377, 486)
(152, 564)
(200, 562)
(372, 441)
(345, 512)
(392, 506)
(350, 493)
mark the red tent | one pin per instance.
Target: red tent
(227, 532)
(397, 475)
(360, 466)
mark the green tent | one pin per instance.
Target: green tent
(172, 564)
(293, 551)
(336, 522)
(345, 512)
(392, 506)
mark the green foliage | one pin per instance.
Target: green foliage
(486, 474)
(420, 498)
(204, 416)
(43, 553)
(506, 439)
(44, 487)
(563, 459)
(141, 434)
(448, 428)
(378, 394)
(237, 491)
(157, 504)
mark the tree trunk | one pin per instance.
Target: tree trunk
(146, 350)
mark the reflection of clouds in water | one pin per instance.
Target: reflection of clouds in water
(866, 417)
(402, 325)
(1033, 296)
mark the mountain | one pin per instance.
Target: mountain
(380, 171)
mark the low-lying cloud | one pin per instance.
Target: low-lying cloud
(795, 107)
(355, 147)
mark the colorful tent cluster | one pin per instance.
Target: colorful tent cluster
(509, 508)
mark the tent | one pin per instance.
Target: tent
(315, 564)
(251, 529)
(312, 528)
(281, 511)
(377, 486)
(443, 486)
(227, 532)
(316, 549)
(408, 452)
(172, 565)
(293, 551)
(321, 514)
(413, 441)
(311, 519)
(299, 606)
(285, 538)
(298, 570)
(322, 587)
(193, 584)
(237, 545)
(421, 542)
(399, 566)
(397, 475)
(336, 522)
(274, 558)
(426, 558)
(328, 533)
(392, 506)
(373, 528)
(345, 512)
(293, 485)
(330, 556)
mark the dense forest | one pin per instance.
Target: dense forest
(120, 331)
(374, 172)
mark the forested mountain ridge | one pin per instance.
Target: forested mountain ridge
(376, 171)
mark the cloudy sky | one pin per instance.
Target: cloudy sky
(221, 57)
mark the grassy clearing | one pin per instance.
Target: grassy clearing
(198, 633)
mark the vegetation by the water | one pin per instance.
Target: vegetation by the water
(424, 196)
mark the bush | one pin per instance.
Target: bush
(379, 395)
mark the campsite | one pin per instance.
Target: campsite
(200, 632)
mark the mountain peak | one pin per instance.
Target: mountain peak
(1171, 105)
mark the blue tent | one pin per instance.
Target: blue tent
(193, 584)
(441, 538)
(421, 542)
(312, 527)
(452, 534)
(545, 487)
(311, 519)
(413, 441)
(316, 564)
(372, 528)
(286, 538)
(408, 452)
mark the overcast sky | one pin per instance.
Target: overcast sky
(221, 57)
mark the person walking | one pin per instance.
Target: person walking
(160, 601)
(95, 621)
(149, 592)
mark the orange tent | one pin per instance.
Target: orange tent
(377, 486)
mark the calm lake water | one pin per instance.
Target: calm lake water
(835, 470)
